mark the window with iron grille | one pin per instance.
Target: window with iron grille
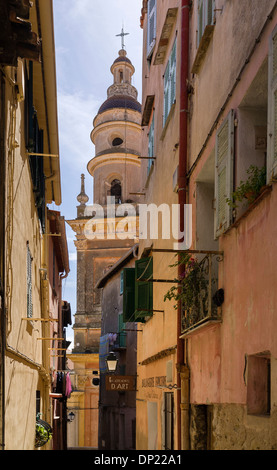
(29, 283)
(170, 83)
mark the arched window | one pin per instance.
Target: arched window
(116, 190)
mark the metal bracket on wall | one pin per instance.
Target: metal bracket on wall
(169, 387)
(39, 319)
(32, 154)
(52, 339)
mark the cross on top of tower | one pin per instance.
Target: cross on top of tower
(122, 34)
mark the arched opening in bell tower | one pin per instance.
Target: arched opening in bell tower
(116, 190)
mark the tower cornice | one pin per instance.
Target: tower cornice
(111, 124)
(109, 158)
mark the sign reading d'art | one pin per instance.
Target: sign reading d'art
(119, 383)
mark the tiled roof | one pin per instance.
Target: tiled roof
(122, 59)
(120, 101)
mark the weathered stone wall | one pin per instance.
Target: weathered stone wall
(233, 429)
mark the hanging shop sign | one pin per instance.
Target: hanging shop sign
(126, 383)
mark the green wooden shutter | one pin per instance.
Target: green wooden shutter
(122, 334)
(128, 295)
(272, 108)
(151, 26)
(143, 288)
(224, 164)
(121, 283)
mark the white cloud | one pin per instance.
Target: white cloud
(76, 113)
(86, 46)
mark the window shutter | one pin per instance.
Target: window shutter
(170, 82)
(121, 282)
(224, 163)
(173, 74)
(128, 295)
(272, 108)
(205, 16)
(151, 26)
(151, 144)
(166, 91)
(122, 334)
(29, 109)
(200, 20)
(210, 11)
(29, 284)
(143, 288)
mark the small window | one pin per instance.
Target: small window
(117, 141)
(151, 146)
(29, 283)
(258, 384)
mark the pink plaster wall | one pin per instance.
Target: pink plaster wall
(217, 356)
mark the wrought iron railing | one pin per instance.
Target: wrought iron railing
(201, 298)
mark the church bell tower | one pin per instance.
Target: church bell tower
(115, 169)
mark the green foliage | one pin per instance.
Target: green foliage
(249, 189)
(43, 433)
(191, 283)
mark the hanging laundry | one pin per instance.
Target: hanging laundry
(59, 383)
(68, 389)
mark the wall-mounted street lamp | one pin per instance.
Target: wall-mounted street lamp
(111, 362)
(70, 416)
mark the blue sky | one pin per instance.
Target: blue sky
(86, 46)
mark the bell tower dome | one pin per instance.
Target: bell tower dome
(116, 135)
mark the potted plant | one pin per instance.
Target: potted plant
(251, 188)
(190, 285)
(43, 433)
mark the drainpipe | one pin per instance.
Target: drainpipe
(2, 271)
(182, 369)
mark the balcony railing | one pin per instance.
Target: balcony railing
(201, 298)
